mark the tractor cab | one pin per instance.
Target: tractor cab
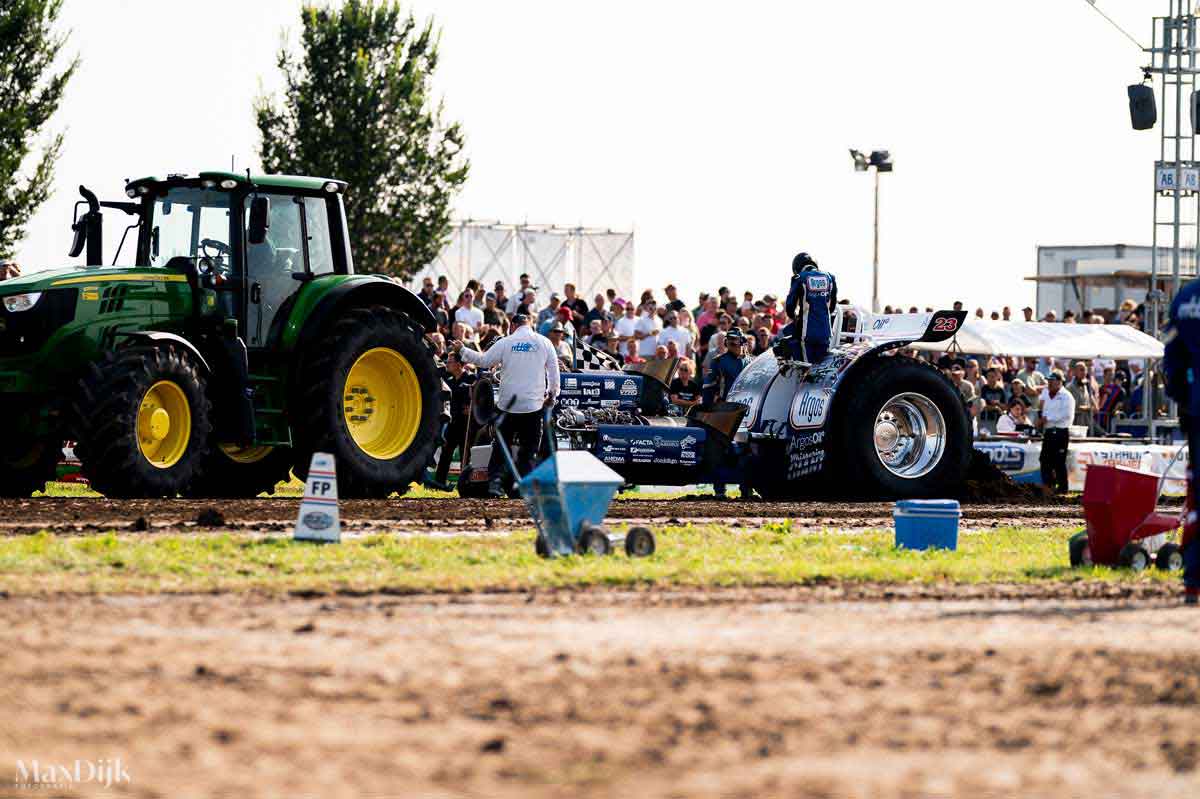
(247, 245)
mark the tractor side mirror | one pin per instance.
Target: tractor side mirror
(260, 220)
(79, 240)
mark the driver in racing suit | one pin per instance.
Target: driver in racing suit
(1182, 364)
(809, 305)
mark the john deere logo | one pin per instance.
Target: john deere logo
(317, 520)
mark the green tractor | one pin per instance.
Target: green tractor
(239, 343)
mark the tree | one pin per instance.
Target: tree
(30, 92)
(357, 107)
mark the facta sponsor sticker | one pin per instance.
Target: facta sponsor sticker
(318, 520)
(643, 442)
(810, 406)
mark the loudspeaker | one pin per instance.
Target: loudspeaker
(1143, 112)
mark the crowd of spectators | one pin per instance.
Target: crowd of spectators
(629, 330)
(1003, 393)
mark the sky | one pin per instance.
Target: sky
(718, 132)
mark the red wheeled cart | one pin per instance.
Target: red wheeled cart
(1123, 526)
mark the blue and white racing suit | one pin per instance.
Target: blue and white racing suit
(810, 304)
(1182, 364)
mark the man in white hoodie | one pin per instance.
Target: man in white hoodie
(529, 382)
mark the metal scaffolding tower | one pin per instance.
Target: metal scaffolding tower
(1176, 172)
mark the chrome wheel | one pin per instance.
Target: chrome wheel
(910, 435)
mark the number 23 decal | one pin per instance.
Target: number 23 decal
(945, 324)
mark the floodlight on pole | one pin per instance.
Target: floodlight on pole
(880, 161)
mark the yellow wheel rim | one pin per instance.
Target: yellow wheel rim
(381, 403)
(246, 454)
(164, 424)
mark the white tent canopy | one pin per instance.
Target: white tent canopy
(1050, 339)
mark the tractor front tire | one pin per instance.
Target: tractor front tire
(372, 399)
(27, 466)
(233, 472)
(143, 422)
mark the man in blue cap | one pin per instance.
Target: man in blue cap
(810, 304)
(725, 370)
(1182, 365)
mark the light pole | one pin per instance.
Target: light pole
(881, 161)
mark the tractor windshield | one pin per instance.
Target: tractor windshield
(187, 223)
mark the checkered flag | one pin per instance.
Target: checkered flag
(590, 359)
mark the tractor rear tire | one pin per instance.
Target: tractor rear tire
(231, 472)
(143, 422)
(372, 399)
(881, 408)
(27, 466)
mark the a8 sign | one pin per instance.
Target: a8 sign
(1164, 178)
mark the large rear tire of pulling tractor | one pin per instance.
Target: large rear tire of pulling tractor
(26, 466)
(143, 418)
(241, 472)
(903, 433)
(370, 397)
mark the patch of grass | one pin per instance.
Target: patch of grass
(66, 490)
(689, 555)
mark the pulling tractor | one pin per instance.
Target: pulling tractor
(238, 343)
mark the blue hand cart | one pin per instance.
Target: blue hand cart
(568, 495)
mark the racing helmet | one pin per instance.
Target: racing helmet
(802, 263)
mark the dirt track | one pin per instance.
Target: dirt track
(747, 693)
(85, 515)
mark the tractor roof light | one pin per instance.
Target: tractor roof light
(130, 193)
(331, 187)
(16, 303)
(229, 183)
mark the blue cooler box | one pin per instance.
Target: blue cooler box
(927, 523)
